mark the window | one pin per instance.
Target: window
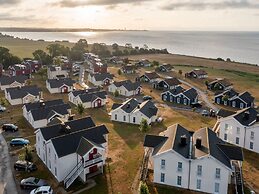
(238, 130)
(180, 167)
(251, 145)
(124, 118)
(171, 98)
(162, 177)
(216, 187)
(179, 180)
(134, 119)
(241, 105)
(55, 171)
(218, 101)
(225, 102)
(234, 104)
(178, 100)
(237, 140)
(55, 157)
(49, 150)
(185, 101)
(49, 164)
(162, 164)
(115, 116)
(198, 186)
(165, 97)
(225, 137)
(38, 138)
(217, 173)
(226, 126)
(199, 170)
(252, 136)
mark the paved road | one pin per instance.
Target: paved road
(7, 183)
(202, 94)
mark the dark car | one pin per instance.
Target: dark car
(19, 142)
(22, 165)
(196, 105)
(32, 183)
(147, 98)
(9, 127)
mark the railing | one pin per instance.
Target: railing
(74, 173)
(238, 179)
(93, 161)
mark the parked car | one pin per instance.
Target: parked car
(22, 165)
(19, 142)
(205, 113)
(41, 190)
(196, 105)
(9, 127)
(147, 98)
(2, 108)
(32, 183)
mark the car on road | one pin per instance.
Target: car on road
(32, 183)
(205, 113)
(22, 165)
(9, 127)
(147, 98)
(19, 142)
(41, 190)
(2, 108)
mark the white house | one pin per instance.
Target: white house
(240, 128)
(12, 82)
(74, 149)
(55, 72)
(63, 85)
(198, 161)
(88, 98)
(23, 95)
(100, 79)
(39, 114)
(125, 88)
(131, 111)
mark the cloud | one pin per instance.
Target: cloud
(81, 3)
(9, 2)
(220, 5)
(9, 17)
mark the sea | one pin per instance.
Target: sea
(238, 46)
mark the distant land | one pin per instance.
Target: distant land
(17, 29)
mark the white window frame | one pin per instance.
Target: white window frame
(252, 135)
(216, 189)
(237, 140)
(251, 145)
(179, 166)
(162, 177)
(179, 180)
(162, 163)
(241, 105)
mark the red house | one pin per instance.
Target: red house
(27, 67)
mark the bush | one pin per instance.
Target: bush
(119, 71)
(143, 188)
(144, 127)
(116, 93)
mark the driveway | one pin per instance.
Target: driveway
(7, 183)
(202, 94)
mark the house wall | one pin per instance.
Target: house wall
(167, 96)
(13, 85)
(122, 90)
(53, 74)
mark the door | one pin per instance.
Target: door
(64, 89)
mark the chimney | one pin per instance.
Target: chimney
(183, 140)
(246, 115)
(128, 105)
(198, 143)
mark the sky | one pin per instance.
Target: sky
(200, 15)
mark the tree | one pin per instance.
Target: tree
(180, 72)
(57, 50)
(7, 59)
(144, 127)
(27, 154)
(80, 109)
(42, 72)
(119, 71)
(225, 98)
(43, 57)
(155, 63)
(143, 188)
(116, 93)
(216, 86)
(78, 50)
(206, 82)
(115, 46)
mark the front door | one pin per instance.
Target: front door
(65, 89)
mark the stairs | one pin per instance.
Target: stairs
(238, 179)
(144, 168)
(74, 173)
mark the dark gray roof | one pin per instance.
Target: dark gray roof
(190, 93)
(210, 144)
(247, 97)
(129, 105)
(6, 80)
(199, 72)
(230, 93)
(129, 85)
(89, 90)
(68, 144)
(223, 82)
(20, 92)
(58, 130)
(151, 75)
(90, 97)
(224, 113)
(47, 112)
(57, 83)
(115, 105)
(84, 146)
(176, 91)
(36, 105)
(247, 116)
(102, 76)
(148, 108)
(172, 81)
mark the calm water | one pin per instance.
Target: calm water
(238, 46)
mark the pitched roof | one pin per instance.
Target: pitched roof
(167, 66)
(68, 144)
(176, 91)
(84, 146)
(57, 83)
(89, 90)
(230, 93)
(36, 105)
(247, 117)
(90, 97)
(148, 108)
(74, 125)
(7, 80)
(172, 81)
(128, 68)
(129, 85)
(102, 76)
(199, 72)
(224, 113)
(223, 82)
(47, 112)
(211, 145)
(247, 97)
(115, 105)
(151, 75)
(20, 92)
(190, 93)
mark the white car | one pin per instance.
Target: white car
(2, 108)
(42, 190)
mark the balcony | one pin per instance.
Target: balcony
(96, 159)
